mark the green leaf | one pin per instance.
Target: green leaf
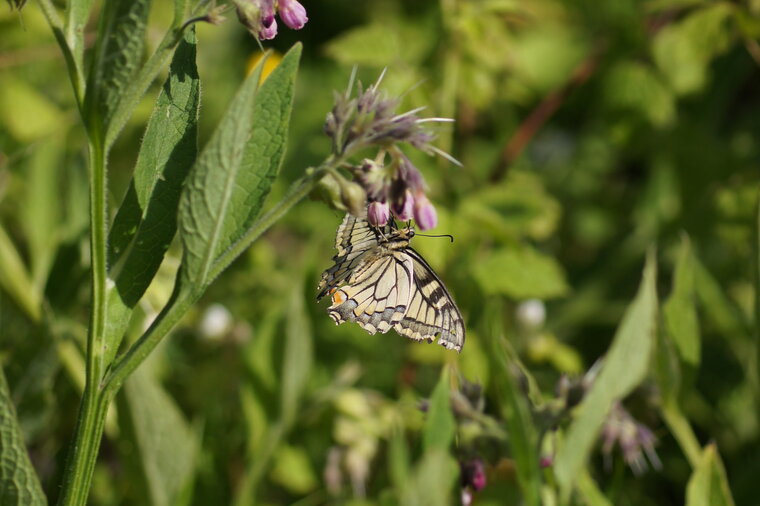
(432, 480)
(297, 359)
(708, 485)
(117, 55)
(683, 50)
(681, 314)
(15, 279)
(19, 485)
(77, 14)
(233, 173)
(146, 222)
(398, 460)
(166, 444)
(41, 209)
(523, 437)
(589, 491)
(718, 308)
(439, 423)
(381, 44)
(522, 273)
(625, 366)
(292, 470)
(634, 86)
(27, 114)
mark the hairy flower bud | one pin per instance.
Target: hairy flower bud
(378, 214)
(353, 197)
(424, 212)
(293, 14)
(403, 208)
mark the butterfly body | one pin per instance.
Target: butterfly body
(381, 283)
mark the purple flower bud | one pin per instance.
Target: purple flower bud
(293, 14)
(546, 462)
(378, 214)
(268, 32)
(424, 212)
(473, 474)
(403, 208)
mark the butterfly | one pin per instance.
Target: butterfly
(381, 283)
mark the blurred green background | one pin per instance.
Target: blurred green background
(588, 132)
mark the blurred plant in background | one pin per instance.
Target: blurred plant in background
(589, 133)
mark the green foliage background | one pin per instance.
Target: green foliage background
(590, 133)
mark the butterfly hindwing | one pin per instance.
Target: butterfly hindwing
(377, 296)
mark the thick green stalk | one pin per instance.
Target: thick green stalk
(84, 449)
(92, 412)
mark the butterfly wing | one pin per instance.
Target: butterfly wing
(353, 241)
(377, 293)
(431, 308)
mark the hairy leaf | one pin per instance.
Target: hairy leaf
(121, 34)
(439, 423)
(708, 485)
(19, 485)
(146, 222)
(233, 173)
(625, 366)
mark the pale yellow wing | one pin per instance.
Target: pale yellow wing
(353, 241)
(431, 309)
(376, 295)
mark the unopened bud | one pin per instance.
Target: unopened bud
(352, 196)
(293, 14)
(378, 214)
(424, 213)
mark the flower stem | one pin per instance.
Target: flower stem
(94, 405)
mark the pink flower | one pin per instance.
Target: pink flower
(293, 14)
(268, 31)
(403, 208)
(424, 213)
(378, 214)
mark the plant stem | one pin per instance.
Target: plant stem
(98, 234)
(99, 394)
(94, 405)
(84, 449)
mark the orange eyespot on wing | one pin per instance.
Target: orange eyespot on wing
(338, 297)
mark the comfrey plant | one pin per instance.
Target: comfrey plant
(211, 197)
(388, 184)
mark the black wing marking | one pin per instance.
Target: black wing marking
(431, 309)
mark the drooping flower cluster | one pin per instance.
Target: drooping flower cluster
(634, 438)
(259, 16)
(393, 185)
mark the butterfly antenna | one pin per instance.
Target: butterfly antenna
(441, 235)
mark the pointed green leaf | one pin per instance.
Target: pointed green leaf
(117, 55)
(41, 209)
(521, 274)
(432, 480)
(708, 485)
(15, 279)
(233, 174)
(19, 485)
(516, 413)
(625, 366)
(681, 314)
(166, 444)
(146, 222)
(439, 422)
(297, 360)
(77, 14)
